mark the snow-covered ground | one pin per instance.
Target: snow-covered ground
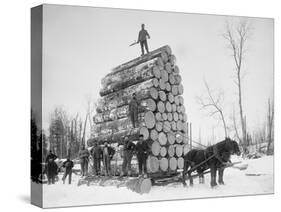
(257, 179)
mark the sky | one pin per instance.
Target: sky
(82, 44)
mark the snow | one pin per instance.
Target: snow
(257, 179)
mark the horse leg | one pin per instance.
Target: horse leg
(184, 173)
(213, 175)
(221, 170)
(200, 173)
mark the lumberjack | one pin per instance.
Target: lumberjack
(142, 39)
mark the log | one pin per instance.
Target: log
(173, 163)
(154, 134)
(162, 96)
(171, 138)
(179, 108)
(184, 118)
(155, 148)
(179, 150)
(160, 52)
(172, 60)
(171, 151)
(155, 82)
(164, 116)
(173, 125)
(174, 90)
(131, 76)
(168, 107)
(158, 116)
(175, 116)
(178, 79)
(162, 138)
(152, 164)
(174, 107)
(168, 67)
(179, 125)
(160, 62)
(180, 89)
(164, 75)
(163, 151)
(164, 164)
(160, 107)
(177, 100)
(142, 90)
(168, 87)
(159, 126)
(179, 137)
(123, 111)
(166, 126)
(186, 149)
(149, 120)
(172, 79)
(182, 109)
(170, 117)
(144, 131)
(180, 116)
(176, 69)
(181, 100)
(180, 161)
(139, 185)
(162, 84)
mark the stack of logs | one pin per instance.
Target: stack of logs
(156, 81)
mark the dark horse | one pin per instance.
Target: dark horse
(215, 157)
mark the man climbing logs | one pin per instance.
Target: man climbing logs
(142, 39)
(133, 111)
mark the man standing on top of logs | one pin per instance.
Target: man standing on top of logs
(96, 153)
(107, 153)
(142, 149)
(142, 39)
(84, 160)
(128, 151)
(133, 110)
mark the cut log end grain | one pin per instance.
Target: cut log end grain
(172, 59)
(166, 126)
(168, 67)
(160, 107)
(179, 150)
(162, 84)
(144, 131)
(180, 89)
(164, 116)
(176, 116)
(152, 164)
(158, 116)
(171, 138)
(162, 138)
(159, 126)
(186, 149)
(163, 151)
(170, 117)
(149, 120)
(171, 151)
(173, 163)
(162, 96)
(160, 62)
(174, 125)
(155, 148)
(139, 185)
(174, 107)
(180, 162)
(175, 90)
(179, 138)
(168, 107)
(164, 164)
(172, 80)
(155, 82)
(149, 104)
(176, 69)
(153, 93)
(170, 97)
(154, 134)
(164, 75)
(156, 72)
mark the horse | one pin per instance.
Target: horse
(213, 157)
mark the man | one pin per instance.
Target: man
(142, 149)
(68, 165)
(108, 153)
(142, 39)
(96, 153)
(128, 151)
(84, 159)
(51, 167)
(133, 110)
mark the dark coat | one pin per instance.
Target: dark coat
(68, 164)
(51, 169)
(51, 157)
(110, 150)
(133, 106)
(142, 149)
(96, 152)
(130, 146)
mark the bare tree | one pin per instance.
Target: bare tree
(270, 125)
(213, 104)
(237, 37)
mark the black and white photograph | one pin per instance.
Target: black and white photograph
(133, 106)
